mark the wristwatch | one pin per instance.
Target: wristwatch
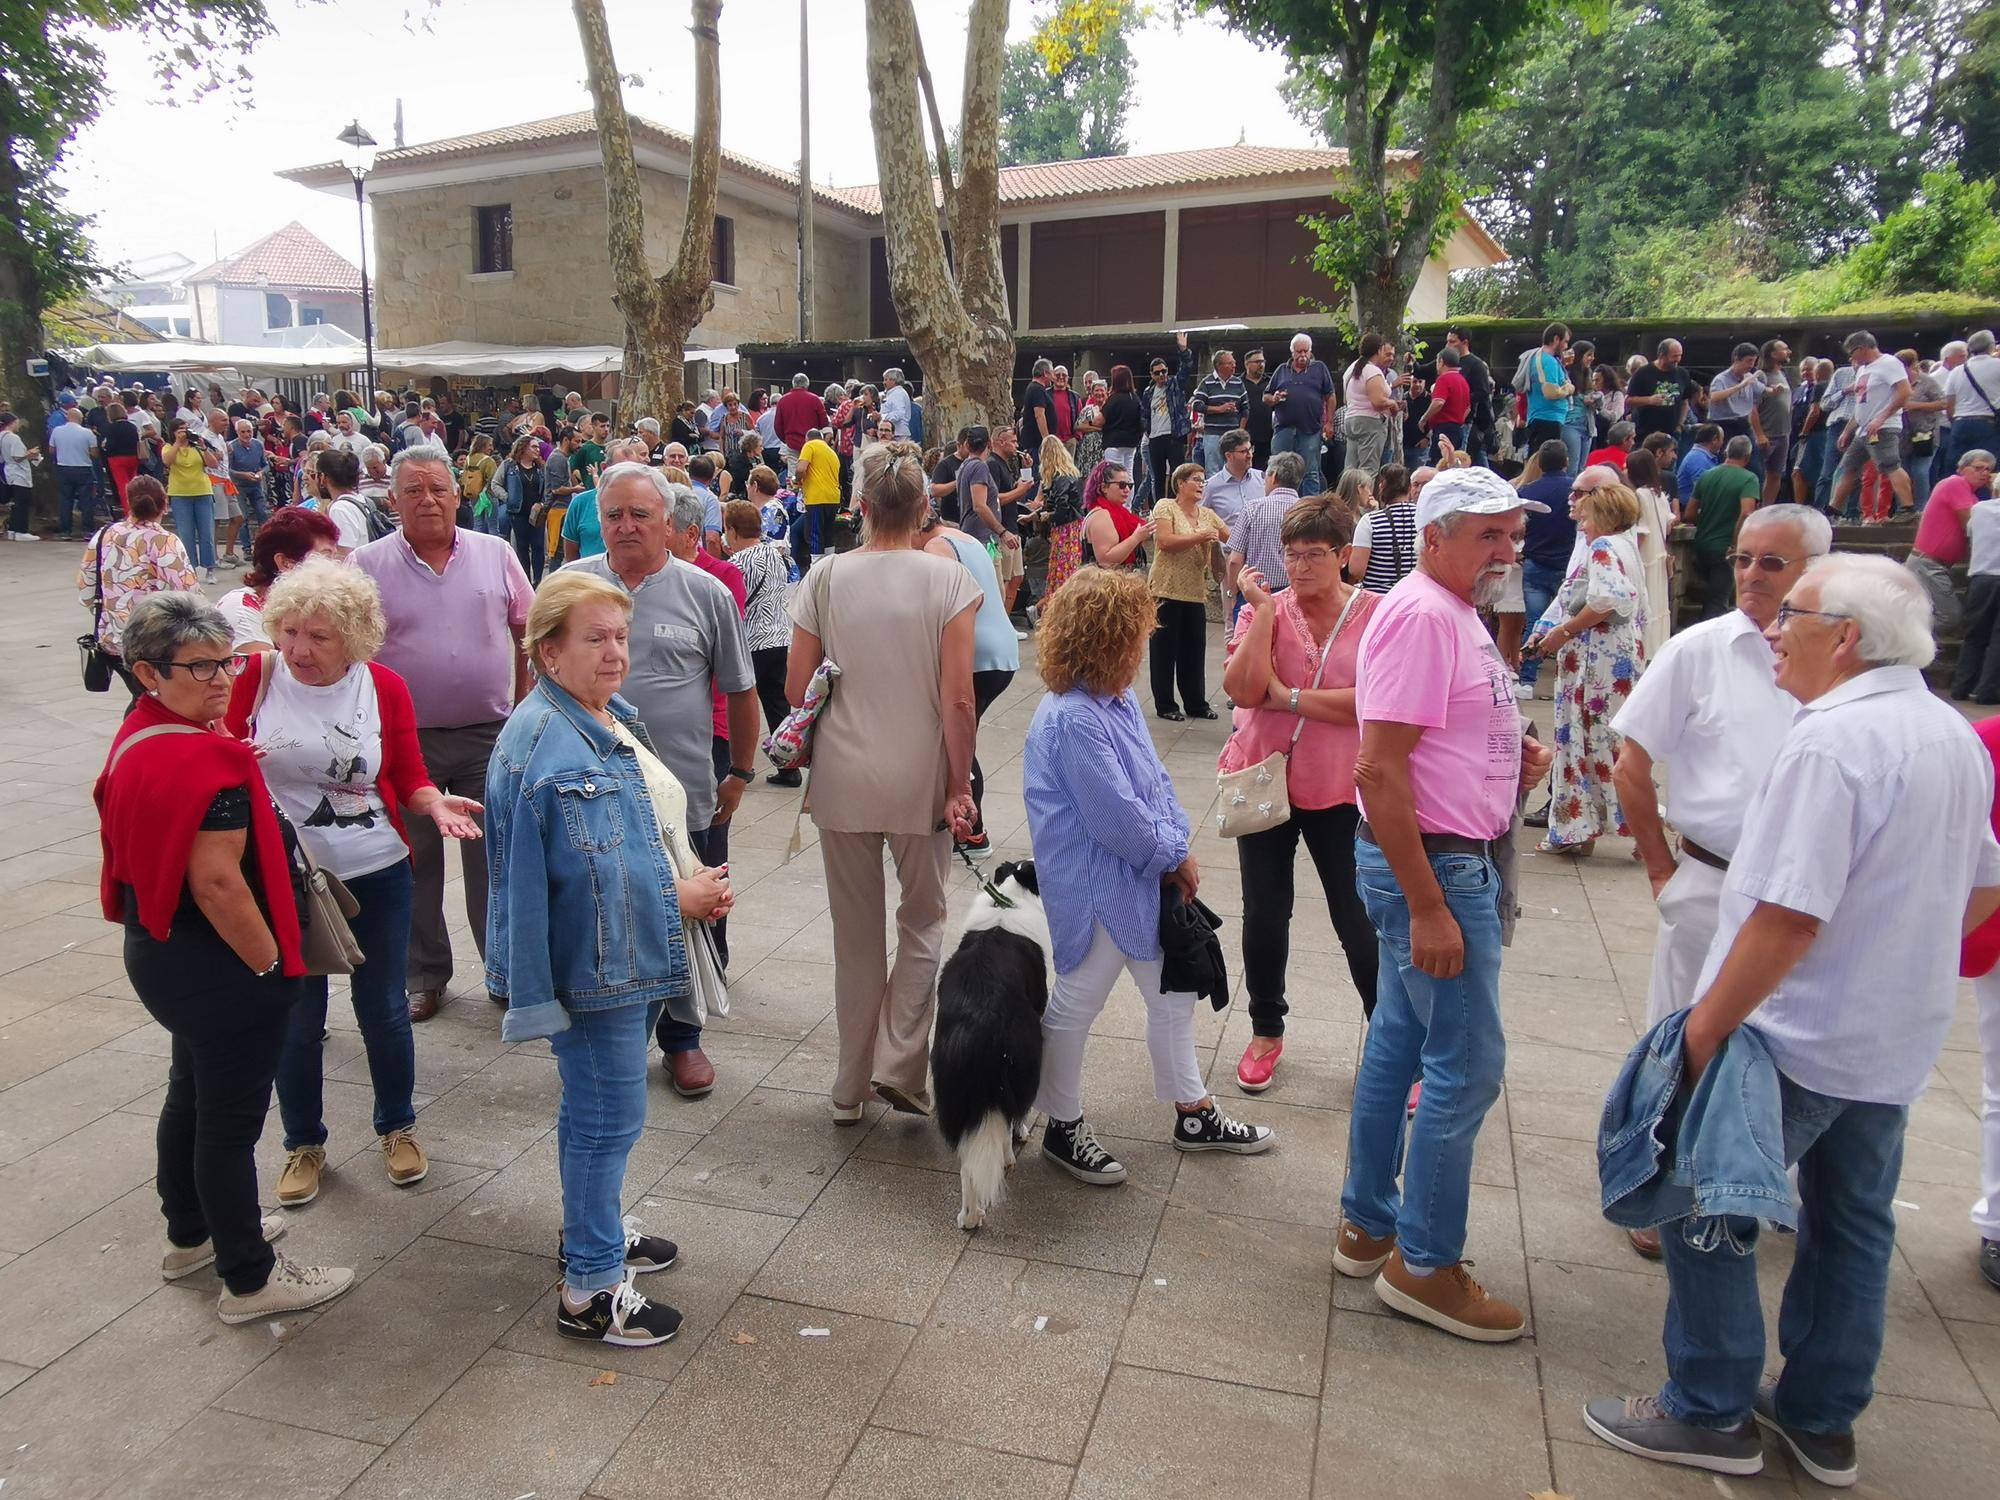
(743, 776)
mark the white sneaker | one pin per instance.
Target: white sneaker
(23, 536)
(292, 1288)
(1524, 690)
(208, 575)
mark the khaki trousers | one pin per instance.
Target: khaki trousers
(884, 1013)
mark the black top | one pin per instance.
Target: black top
(1256, 415)
(1651, 380)
(1036, 398)
(120, 440)
(1124, 419)
(947, 473)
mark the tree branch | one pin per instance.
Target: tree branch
(942, 146)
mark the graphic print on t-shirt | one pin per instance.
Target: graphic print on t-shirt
(340, 804)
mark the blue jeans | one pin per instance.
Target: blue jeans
(250, 500)
(194, 524)
(1211, 453)
(817, 517)
(1307, 443)
(1968, 433)
(1444, 1031)
(1823, 487)
(1849, 1157)
(1539, 583)
(602, 1062)
(380, 1005)
(1919, 464)
(1577, 439)
(79, 488)
(1811, 462)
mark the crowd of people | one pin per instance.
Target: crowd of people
(560, 650)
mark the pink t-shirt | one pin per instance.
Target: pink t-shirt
(1320, 773)
(1941, 528)
(1360, 376)
(449, 633)
(1427, 661)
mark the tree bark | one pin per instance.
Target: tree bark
(21, 334)
(958, 325)
(659, 312)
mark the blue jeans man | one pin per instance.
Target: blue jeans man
(1966, 434)
(1539, 583)
(1307, 443)
(79, 489)
(1211, 454)
(1823, 488)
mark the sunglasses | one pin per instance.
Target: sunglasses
(1768, 562)
(1117, 484)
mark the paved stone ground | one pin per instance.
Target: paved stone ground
(1197, 1340)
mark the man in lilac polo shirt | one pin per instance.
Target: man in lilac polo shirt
(456, 604)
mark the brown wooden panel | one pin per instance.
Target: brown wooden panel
(882, 321)
(1089, 273)
(1289, 276)
(1246, 260)
(1010, 265)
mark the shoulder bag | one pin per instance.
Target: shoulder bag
(325, 938)
(96, 660)
(1257, 797)
(789, 746)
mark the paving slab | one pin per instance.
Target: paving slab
(223, 1456)
(899, 1466)
(1160, 1434)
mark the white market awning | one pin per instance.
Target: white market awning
(454, 358)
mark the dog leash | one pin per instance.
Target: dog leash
(993, 892)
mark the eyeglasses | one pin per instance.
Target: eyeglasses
(1768, 562)
(1312, 557)
(1792, 611)
(203, 670)
(1117, 484)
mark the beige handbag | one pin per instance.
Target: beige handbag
(1257, 797)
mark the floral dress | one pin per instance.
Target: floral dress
(1594, 677)
(139, 558)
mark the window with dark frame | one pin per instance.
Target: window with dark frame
(495, 226)
(722, 252)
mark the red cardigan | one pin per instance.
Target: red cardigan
(402, 773)
(1981, 948)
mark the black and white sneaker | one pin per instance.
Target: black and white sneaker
(619, 1315)
(644, 1253)
(1211, 1130)
(1074, 1148)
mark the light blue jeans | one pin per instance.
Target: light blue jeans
(1444, 1031)
(1849, 1157)
(602, 1063)
(1211, 453)
(1308, 444)
(1576, 438)
(194, 524)
(1539, 583)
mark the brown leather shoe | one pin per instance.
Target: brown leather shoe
(691, 1073)
(424, 1004)
(1356, 1252)
(1645, 1241)
(1450, 1299)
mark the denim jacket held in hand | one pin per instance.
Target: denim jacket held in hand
(582, 910)
(1717, 1149)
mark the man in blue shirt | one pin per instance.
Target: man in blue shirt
(1551, 538)
(1549, 390)
(1301, 398)
(701, 474)
(1703, 456)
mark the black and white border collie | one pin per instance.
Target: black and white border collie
(986, 1056)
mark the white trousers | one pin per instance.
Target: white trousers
(1079, 996)
(1689, 908)
(1986, 1212)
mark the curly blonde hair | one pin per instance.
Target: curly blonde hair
(338, 591)
(1094, 630)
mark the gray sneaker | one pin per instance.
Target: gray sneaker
(1827, 1456)
(1638, 1425)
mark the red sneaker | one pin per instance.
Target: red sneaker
(1416, 1095)
(1253, 1074)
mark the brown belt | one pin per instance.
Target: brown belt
(1437, 843)
(1708, 857)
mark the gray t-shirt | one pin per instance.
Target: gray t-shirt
(1774, 407)
(977, 471)
(1734, 408)
(687, 640)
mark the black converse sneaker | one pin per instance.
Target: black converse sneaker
(619, 1315)
(644, 1253)
(1074, 1148)
(1211, 1130)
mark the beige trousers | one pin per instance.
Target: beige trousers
(884, 1013)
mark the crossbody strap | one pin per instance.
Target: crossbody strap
(1298, 719)
(146, 734)
(1984, 395)
(97, 608)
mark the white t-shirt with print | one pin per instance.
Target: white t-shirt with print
(1875, 386)
(352, 521)
(244, 611)
(322, 752)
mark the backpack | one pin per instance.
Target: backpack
(472, 481)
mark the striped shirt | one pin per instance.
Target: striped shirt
(1390, 535)
(1258, 538)
(1215, 391)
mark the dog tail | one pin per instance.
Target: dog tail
(982, 1159)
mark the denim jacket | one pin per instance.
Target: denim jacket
(582, 912)
(1663, 1155)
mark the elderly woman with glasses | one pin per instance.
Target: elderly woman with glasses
(202, 870)
(1595, 629)
(1291, 676)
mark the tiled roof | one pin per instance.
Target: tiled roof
(86, 320)
(292, 256)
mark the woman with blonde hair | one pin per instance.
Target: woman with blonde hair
(1108, 834)
(337, 734)
(1062, 505)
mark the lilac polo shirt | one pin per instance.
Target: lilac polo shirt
(449, 632)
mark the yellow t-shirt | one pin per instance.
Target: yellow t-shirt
(822, 474)
(1181, 574)
(188, 474)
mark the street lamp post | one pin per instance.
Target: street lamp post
(359, 158)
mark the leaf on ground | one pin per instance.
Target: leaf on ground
(605, 1377)
(740, 1337)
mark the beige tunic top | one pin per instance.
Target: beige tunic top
(878, 758)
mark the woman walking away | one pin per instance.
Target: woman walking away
(203, 871)
(1654, 534)
(1108, 835)
(1063, 505)
(587, 836)
(338, 736)
(891, 770)
(1291, 676)
(996, 650)
(1186, 530)
(767, 625)
(127, 561)
(1595, 629)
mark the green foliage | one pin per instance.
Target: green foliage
(1065, 91)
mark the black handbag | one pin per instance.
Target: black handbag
(96, 660)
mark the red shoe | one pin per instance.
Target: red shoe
(1253, 1074)
(1416, 1095)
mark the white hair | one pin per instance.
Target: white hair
(1297, 337)
(621, 473)
(685, 508)
(1955, 347)
(1815, 531)
(651, 424)
(1885, 599)
(893, 375)
(1980, 342)
(376, 451)
(416, 453)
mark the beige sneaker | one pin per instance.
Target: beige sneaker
(404, 1158)
(1450, 1299)
(1356, 1252)
(292, 1288)
(298, 1184)
(178, 1262)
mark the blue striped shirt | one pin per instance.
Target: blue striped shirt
(1104, 820)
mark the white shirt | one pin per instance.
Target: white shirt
(896, 408)
(1967, 402)
(1875, 817)
(245, 613)
(1875, 386)
(322, 751)
(1982, 529)
(354, 442)
(352, 521)
(1709, 709)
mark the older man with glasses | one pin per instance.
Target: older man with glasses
(1865, 854)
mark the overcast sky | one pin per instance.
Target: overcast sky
(197, 178)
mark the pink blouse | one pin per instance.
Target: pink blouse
(1321, 772)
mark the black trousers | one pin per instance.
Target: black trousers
(1541, 432)
(1266, 861)
(986, 686)
(1179, 650)
(228, 1029)
(1978, 672)
(1160, 461)
(770, 665)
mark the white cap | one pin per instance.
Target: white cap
(1475, 491)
